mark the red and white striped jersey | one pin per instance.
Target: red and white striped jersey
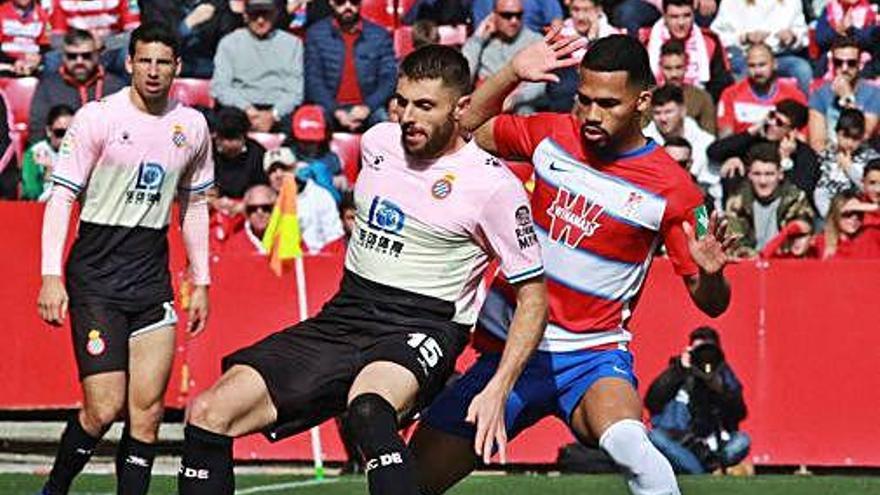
(100, 17)
(599, 221)
(23, 32)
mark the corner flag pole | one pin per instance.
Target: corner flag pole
(302, 302)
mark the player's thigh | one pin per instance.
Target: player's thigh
(442, 459)
(237, 404)
(151, 355)
(391, 381)
(606, 402)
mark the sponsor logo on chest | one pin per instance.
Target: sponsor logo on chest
(573, 217)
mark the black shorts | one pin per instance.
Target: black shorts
(101, 333)
(309, 368)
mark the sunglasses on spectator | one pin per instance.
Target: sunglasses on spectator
(59, 133)
(776, 119)
(265, 208)
(340, 3)
(72, 56)
(848, 62)
(509, 16)
(852, 214)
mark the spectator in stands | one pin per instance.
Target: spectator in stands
(853, 18)
(848, 233)
(258, 202)
(202, 25)
(259, 69)
(425, 33)
(766, 204)
(300, 14)
(318, 216)
(696, 407)
(632, 15)
(536, 15)
(748, 101)
(794, 241)
(347, 213)
(871, 184)
(351, 71)
(276, 163)
(799, 162)
(10, 174)
(36, 166)
(80, 79)
(311, 145)
(842, 164)
(442, 12)
(846, 90)
(588, 21)
(670, 120)
(24, 37)
(238, 160)
(110, 22)
(779, 24)
(707, 65)
(494, 43)
(680, 150)
(697, 101)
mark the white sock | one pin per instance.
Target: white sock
(646, 470)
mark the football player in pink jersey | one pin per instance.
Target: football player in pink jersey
(432, 210)
(605, 197)
(127, 158)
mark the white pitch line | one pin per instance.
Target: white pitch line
(283, 486)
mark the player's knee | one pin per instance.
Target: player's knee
(207, 415)
(144, 421)
(369, 416)
(98, 416)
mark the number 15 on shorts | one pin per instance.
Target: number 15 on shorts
(428, 348)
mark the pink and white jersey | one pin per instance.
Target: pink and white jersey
(599, 221)
(431, 227)
(127, 167)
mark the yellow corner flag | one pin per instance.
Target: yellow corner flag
(282, 237)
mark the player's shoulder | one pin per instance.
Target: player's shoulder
(485, 173)
(672, 182)
(383, 133)
(189, 115)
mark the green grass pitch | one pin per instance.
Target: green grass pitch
(22, 484)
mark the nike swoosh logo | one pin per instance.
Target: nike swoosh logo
(621, 371)
(557, 168)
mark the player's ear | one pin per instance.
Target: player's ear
(643, 101)
(129, 64)
(461, 106)
(179, 64)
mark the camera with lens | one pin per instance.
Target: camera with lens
(706, 359)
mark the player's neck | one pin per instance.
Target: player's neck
(152, 107)
(626, 144)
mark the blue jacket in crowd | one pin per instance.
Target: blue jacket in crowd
(374, 62)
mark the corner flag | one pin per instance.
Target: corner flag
(282, 237)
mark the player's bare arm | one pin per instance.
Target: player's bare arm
(709, 290)
(487, 408)
(534, 63)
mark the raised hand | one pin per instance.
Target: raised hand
(537, 61)
(710, 251)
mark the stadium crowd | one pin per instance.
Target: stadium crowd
(772, 105)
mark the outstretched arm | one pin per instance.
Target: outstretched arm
(487, 408)
(709, 290)
(535, 63)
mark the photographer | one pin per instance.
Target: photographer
(696, 406)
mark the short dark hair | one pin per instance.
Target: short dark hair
(347, 202)
(154, 32)
(667, 93)
(705, 333)
(851, 122)
(77, 36)
(764, 151)
(425, 33)
(796, 112)
(438, 62)
(619, 52)
(673, 47)
(846, 41)
(678, 142)
(677, 3)
(57, 112)
(231, 123)
(872, 166)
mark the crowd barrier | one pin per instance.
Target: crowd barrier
(802, 337)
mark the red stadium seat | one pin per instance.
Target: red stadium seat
(18, 93)
(348, 148)
(269, 140)
(381, 12)
(193, 92)
(403, 43)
